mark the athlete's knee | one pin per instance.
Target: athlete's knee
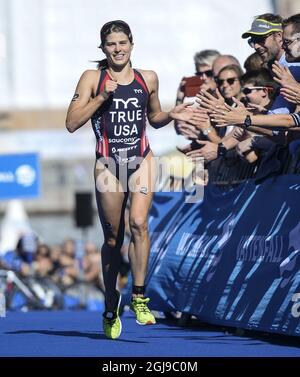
(138, 225)
(111, 242)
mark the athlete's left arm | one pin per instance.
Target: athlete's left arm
(158, 118)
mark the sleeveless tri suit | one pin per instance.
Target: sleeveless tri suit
(120, 125)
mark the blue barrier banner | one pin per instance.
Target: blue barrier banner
(232, 259)
(19, 176)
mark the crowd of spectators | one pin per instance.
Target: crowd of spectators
(66, 276)
(245, 112)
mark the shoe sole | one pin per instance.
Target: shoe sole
(118, 308)
(145, 324)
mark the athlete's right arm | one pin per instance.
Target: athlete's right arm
(83, 106)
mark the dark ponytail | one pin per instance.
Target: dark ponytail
(102, 64)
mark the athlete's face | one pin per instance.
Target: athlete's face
(117, 49)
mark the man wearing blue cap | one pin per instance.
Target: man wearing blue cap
(266, 36)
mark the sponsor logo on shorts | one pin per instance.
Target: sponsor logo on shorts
(114, 150)
(124, 160)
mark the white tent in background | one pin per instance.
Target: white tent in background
(15, 223)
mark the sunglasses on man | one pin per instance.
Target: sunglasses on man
(258, 39)
(288, 42)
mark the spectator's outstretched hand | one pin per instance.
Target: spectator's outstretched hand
(254, 108)
(227, 115)
(291, 93)
(244, 150)
(208, 151)
(185, 149)
(188, 130)
(244, 147)
(200, 119)
(282, 75)
(238, 104)
(208, 101)
(239, 133)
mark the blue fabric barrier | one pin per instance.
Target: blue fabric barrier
(232, 259)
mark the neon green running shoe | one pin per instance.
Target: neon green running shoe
(112, 325)
(143, 314)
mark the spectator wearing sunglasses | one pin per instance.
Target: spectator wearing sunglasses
(266, 37)
(203, 65)
(229, 83)
(258, 89)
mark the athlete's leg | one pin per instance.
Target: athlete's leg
(111, 202)
(143, 182)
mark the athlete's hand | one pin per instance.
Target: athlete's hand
(183, 112)
(109, 88)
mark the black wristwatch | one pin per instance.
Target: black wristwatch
(247, 121)
(221, 150)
